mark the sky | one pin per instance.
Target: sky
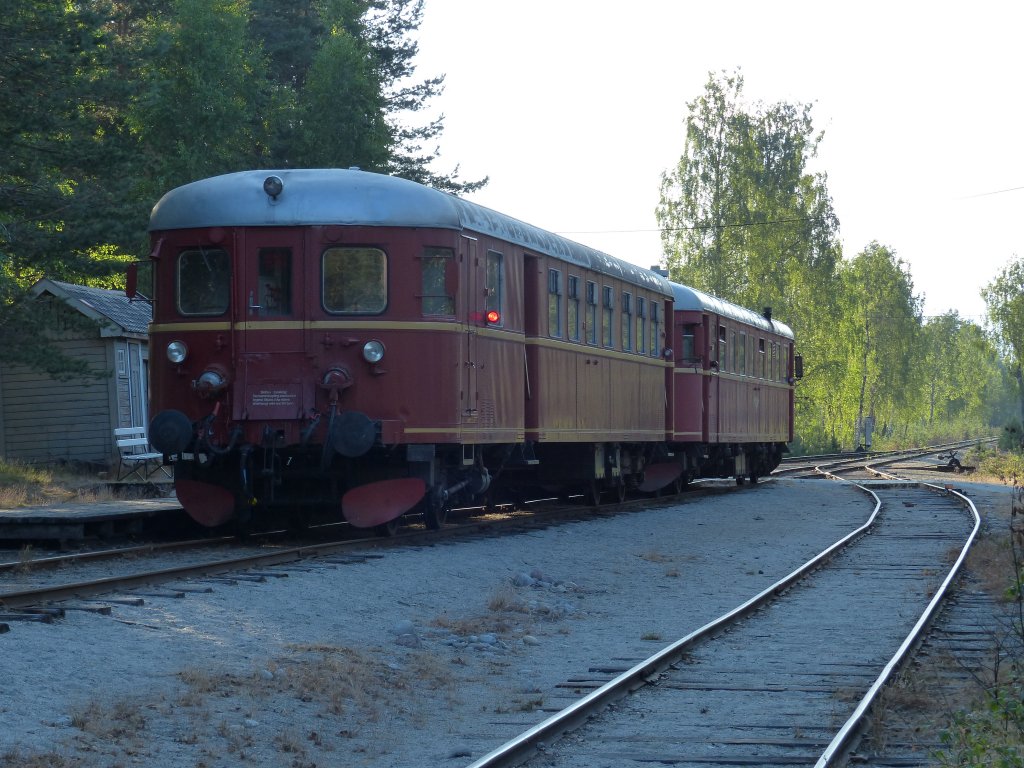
(575, 108)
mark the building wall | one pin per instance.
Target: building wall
(46, 420)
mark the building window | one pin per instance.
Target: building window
(574, 308)
(591, 313)
(627, 321)
(355, 281)
(555, 303)
(435, 299)
(607, 313)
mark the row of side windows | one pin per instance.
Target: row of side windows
(639, 317)
(737, 353)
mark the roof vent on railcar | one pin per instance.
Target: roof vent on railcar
(767, 312)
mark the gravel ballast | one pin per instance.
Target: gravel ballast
(419, 656)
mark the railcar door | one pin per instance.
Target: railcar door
(716, 349)
(272, 346)
(473, 287)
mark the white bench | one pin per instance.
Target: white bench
(135, 456)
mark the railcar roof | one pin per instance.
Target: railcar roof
(359, 198)
(690, 299)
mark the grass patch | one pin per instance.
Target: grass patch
(25, 485)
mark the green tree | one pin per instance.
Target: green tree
(741, 216)
(880, 326)
(202, 85)
(58, 216)
(1004, 299)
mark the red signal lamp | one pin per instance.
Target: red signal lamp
(493, 317)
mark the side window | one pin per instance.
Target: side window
(494, 284)
(760, 354)
(204, 282)
(574, 308)
(742, 351)
(655, 329)
(723, 362)
(627, 321)
(554, 303)
(641, 325)
(607, 313)
(434, 296)
(355, 280)
(689, 350)
(275, 271)
(591, 313)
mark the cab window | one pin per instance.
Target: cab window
(204, 282)
(275, 281)
(434, 296)
(355, 281)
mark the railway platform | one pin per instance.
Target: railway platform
(74, 521)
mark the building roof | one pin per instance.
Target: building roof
(102, 304)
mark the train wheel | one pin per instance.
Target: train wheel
(388, 529)
(435, 508)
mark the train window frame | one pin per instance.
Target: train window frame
(760, 368)
(369, 299)
(274, 288)
(741, 351)
(641, 325)
(555, 303)
(607, 316)
(591, 318)
(627, 321)
(655, 329)
(723, 348)
(211, 283)
(435, 300)
(688, 340)
(494, 285)
(573, 308)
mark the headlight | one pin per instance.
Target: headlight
(373, 351)
(211, 381)
(177, 351)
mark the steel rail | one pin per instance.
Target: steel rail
(852, 728)
(517, 750)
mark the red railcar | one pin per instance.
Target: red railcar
(740, 368)
(362, 345)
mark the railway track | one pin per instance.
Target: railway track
(124, 571)
(788, 678)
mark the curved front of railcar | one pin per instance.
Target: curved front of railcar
(297, 317)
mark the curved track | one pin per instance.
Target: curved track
(784, 682)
